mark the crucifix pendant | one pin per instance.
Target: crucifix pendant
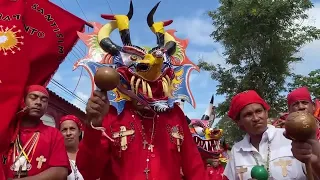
(150, 147)
(145, 143)
(146, 171)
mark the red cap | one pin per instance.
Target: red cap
(243, 99)
(72, 118)
(39, 88)
(299, 94)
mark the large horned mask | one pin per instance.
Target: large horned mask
(157, 75)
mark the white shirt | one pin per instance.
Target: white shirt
(243, 152)
(75, 173)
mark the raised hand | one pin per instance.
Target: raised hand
(97, 107)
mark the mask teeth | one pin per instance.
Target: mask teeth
(137, 85)
(149, 91)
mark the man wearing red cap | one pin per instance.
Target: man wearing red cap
(37, 151)
(300, 100)
(264, 153)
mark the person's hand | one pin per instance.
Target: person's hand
(97, 107)
(306, 151)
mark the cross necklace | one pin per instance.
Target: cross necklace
(267, 163)
(145, 142)
(19, 168)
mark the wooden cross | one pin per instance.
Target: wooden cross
(240, 172)
(150, 147)
(144, 144)
(283, 164)
(122, 134)
(175, 133)
(40, 160)
(146, 171)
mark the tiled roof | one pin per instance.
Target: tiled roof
(62, 99)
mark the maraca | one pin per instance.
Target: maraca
(259, 173)
(106, 78)
(301, 126)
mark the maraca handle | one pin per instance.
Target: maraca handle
(309, 171)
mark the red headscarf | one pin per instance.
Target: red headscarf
(33, 88)
(72, 118)
(243, 99)
(299, 94)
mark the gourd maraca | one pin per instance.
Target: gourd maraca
(259, 173)
(106, 78)
(301, 126)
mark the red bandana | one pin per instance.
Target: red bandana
(243, 99)
(33, 88)
(299, 95)
(72, 118)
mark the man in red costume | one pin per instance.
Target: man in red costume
(148, 137)
(214, 169)
(300, 100)
(38, 151)
(152, 152)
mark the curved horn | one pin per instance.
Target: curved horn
(151, 13)
(104, 40)
(122, 24)
(157, 27)
(130, 13)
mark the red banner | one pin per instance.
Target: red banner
(54, 33)
(14, 69)
(35, 37)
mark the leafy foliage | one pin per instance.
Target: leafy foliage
(231, 132)
(312, 81)
(261, 39)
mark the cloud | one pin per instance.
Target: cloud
(310, 52)
(197, 27)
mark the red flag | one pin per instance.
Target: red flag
(30, 53)
(14, 69)
(54, 33)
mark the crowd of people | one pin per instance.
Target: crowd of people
(129, 146)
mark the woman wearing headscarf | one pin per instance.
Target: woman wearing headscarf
(71, 127)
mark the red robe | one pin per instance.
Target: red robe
(50, 145)
(100, 158)
(215, 173)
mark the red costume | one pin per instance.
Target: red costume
(215, 173)
(50, 146)
(156, 144)
(39, 147)
(100, 158)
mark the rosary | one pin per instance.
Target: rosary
(145, 143)
(261, 172)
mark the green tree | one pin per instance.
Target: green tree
(231, 132)
(312, 81)
(261, 39)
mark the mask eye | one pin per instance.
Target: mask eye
(158, 54)
(134, 57)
